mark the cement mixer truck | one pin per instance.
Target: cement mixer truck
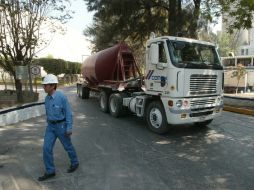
(182, 84)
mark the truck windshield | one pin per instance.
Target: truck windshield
(193, 55)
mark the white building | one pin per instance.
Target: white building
(247, 43)
(244, 38)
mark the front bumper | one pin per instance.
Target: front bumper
(192, 114)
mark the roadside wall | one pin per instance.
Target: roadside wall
(16, 114)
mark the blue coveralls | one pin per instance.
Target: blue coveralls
(57, 109)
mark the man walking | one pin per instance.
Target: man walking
(59, 119)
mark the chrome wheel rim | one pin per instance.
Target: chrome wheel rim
(155, 118)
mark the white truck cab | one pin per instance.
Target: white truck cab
(183, 83)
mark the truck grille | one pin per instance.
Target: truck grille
(203, 84)
(200, 114)
(202, 109)
(194, 103)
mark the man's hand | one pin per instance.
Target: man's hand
(68, 133)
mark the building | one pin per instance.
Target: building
(244, 38)
(244, 55)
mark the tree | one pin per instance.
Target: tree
(133, 21)
(3, 77)
(20, 31)
(238, 74)
(58, 66)
(239, 14)
(227, 43)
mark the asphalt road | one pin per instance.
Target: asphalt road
(121, 154)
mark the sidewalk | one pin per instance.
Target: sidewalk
(17, 113)
(240, 110)
(21, 112)
(239, 103)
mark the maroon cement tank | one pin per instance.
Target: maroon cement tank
(113, 64)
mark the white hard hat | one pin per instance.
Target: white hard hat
(50, 79)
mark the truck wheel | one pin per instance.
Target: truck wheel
(116, 105)
(85, 92)
(203, 123)
(78, 91)
(156, 118)
(103, 101)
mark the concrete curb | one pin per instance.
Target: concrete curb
(16, 114)
(239, 110)
(20, 113)
(238, 104)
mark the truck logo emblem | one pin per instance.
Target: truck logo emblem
(149, 74)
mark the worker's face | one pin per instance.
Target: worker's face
(49, 88)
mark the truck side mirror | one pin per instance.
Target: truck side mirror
(154, 53)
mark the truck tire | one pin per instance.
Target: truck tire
(85, 92)
(78, 90)
(203, 123)
(156, 118)
(116, 108)
(103, 101)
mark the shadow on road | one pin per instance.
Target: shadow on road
(122, 154)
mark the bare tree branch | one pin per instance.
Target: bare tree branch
(20, 24)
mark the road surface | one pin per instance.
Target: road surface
(122, 154)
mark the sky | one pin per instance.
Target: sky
(73, 45)
(218, 26)
(81, 18)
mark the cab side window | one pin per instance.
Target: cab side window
(162, 53)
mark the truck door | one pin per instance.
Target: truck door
(157, 68)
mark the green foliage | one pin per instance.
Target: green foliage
(240, 13)
(21, 22)
(238, 74)
(207, 36)
(227, 43)
(50, 56)
(58, 66)
(133, 21)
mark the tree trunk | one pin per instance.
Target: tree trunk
(30, 78)
(18, 85)
(179, 17)
(172, 28)
(194, 23)
(236, 90)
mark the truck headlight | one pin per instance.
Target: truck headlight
(219, 100)
(179, 103)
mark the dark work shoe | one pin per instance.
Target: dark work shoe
(46, 176)
(72, 168)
